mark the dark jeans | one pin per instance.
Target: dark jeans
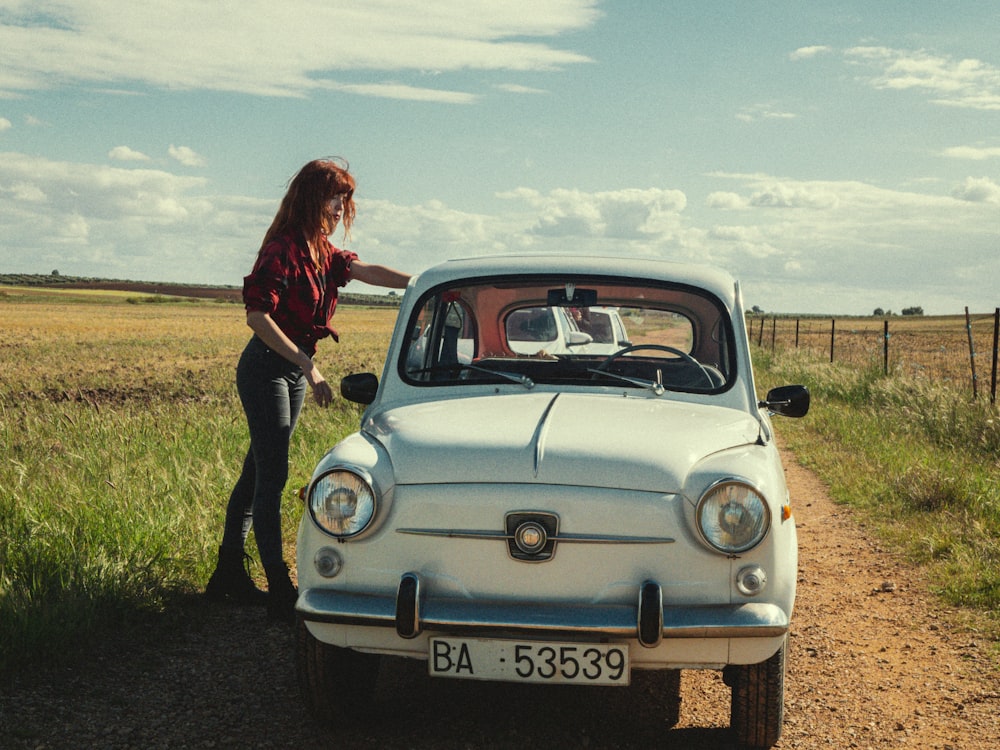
(272, 390)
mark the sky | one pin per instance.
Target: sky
(834, 157)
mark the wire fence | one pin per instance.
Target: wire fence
(957, 350)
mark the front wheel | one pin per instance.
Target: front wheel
(758, 704)
(336, 683)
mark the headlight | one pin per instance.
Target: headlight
(733, 517)
(342, 503)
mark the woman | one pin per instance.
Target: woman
(290, 297)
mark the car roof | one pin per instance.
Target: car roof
(715, 280)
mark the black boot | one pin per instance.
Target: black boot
(231, 580)
(281, 594)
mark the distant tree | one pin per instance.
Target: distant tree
(879, 312)
(55, 273)
(757, 310)
(913, 311)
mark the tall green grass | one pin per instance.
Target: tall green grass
(119, 453)
(920, 461)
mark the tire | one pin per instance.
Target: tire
(758, 704)
(337, 684)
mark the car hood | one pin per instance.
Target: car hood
(593, 440)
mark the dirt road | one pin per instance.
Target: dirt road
(872, 664)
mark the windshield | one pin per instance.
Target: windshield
(577, 331)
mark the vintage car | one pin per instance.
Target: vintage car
(511, 513)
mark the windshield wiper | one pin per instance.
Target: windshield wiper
(657, 388)
(511, 376)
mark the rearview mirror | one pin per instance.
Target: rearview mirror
(570, 296)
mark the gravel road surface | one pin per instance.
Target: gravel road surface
(873, 663)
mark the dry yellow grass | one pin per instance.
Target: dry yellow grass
(97, 343)
(935, 349)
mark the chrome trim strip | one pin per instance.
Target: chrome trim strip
(456, 533)
(540, 433)
(568, 538)
(473, 617)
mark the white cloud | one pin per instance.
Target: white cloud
(978, 190)
(745, 241)
(513, 88)
(261, 50)
(726, 200)
(632, 214)
(966, 83)
(23, 192)
(141, 223)
(805, 53)
(391, 90)
(186, 156)
(124, 153)
(974, 153)
(5, 124)
(757, 112)
(831, 245)
(843, 242)
(789, 194)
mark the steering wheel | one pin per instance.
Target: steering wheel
(660, 348)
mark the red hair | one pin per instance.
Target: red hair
(306, 205)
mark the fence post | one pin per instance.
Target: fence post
(885, 346)
(833, 332)
(796, 333)
(972, 354)
(774, 330)
(996, 337)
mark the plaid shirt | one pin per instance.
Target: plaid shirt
(301, 299)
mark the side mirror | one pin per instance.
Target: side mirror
(578, 338)
(359, 387)
(788, 401)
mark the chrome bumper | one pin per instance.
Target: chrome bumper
(648, 620)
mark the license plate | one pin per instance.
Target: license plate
(529, 661)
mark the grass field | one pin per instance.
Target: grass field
(919, 461)
(122, 435)
(935, 349)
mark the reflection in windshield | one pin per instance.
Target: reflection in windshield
(634, 335)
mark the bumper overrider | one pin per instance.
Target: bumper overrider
(410, 613)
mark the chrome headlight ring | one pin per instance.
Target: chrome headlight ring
(343, 501)
(733, 516)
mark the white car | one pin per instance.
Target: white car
(605, 327)
(565, 518)
(543, 332)
(551, 331)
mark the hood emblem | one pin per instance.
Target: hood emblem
(531, 535)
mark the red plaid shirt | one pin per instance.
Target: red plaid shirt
(300, 298)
